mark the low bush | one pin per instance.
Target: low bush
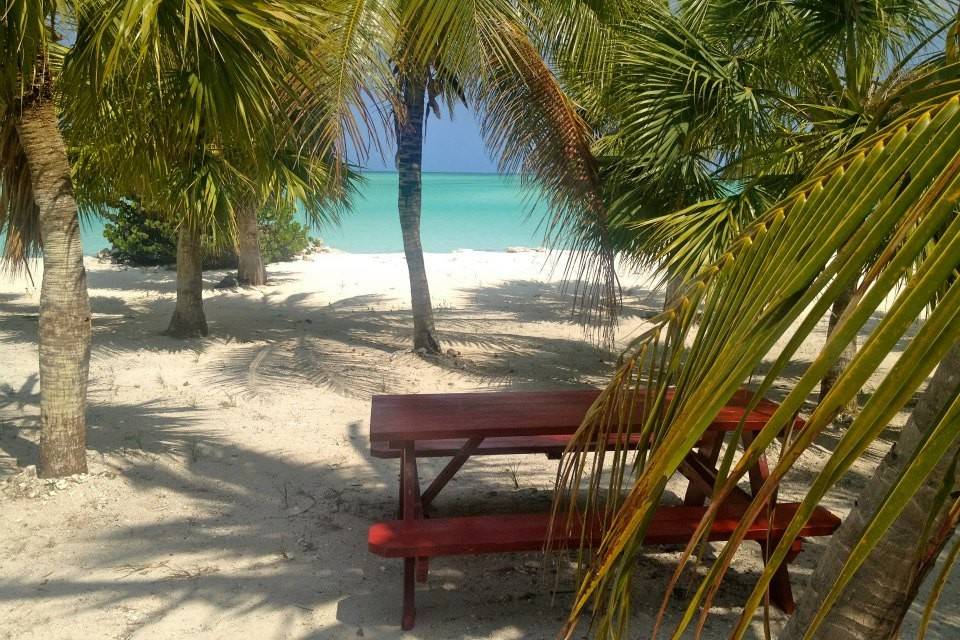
(140, 238)
(281, 236)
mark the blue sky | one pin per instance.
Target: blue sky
(451, 145)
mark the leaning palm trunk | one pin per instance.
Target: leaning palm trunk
(188, 319)
(250, 268)
(409, 156)
(672, 290)
(64, 304)
(879, 596)
(839, 305)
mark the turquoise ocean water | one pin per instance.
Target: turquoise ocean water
(460, 211)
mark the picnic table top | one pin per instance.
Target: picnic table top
(414, 417)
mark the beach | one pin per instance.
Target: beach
(230, 485)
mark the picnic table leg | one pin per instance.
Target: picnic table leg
(709, 452)
(400, 498)
(410, 510)
(781, 593)
(423, 562)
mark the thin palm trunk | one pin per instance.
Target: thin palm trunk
(188, 319)
(64, 303)
(672, 290)
(881, 592)
(409, 157)
(250, 267)
(849, 353)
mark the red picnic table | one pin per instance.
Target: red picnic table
(463, 425)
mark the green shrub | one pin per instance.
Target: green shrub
(138, 238)
(281, 237)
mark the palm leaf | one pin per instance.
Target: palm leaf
(858, 214)
(25, 41)
(528, 123)
(536, 131)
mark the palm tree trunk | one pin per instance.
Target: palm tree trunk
(250, 269)
(188, 319)
(64, 303)
(409, 157)
(849, 353)
(878, 597)
(672, 290)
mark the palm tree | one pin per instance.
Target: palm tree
(210, 163)
(887, 209)
(251, 270)
(672, 73)
(410, 130)
(527, 121)
(713, 128)
(38, 211)
(879, 595)
(321, 186)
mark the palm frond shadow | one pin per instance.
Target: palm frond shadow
(277, 537)
(349, 346)
(278, 515)
(538, 301)
(150, 427)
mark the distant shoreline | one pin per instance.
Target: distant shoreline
(476, 211)
(358, 254)
(444, 173)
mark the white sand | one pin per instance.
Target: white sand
(230, 487)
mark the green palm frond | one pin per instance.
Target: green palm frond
(339, 95)
(866, 25)
(24, 37)
(682, 243)
(711, 96)
(694, 113)
(25, 71)
(576, 39)
(884, 208)
(535, 130)
(227, 60)
(19, 222)
(211, 110)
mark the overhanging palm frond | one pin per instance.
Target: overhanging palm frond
(211, 111)
(576, 39)
(886, 206)
(19, 222)
(535, 130)
(337, 106)
(321, 187)
(24, 71)
(698, 118)
(829, 24)
(485, 52)
(233, 56)
(682, 243)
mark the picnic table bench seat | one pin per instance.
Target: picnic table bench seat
(470, 535)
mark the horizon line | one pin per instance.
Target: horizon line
(475, 173)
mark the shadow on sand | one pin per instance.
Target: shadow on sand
(292, 534)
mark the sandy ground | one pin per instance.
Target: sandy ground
(230, 488)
